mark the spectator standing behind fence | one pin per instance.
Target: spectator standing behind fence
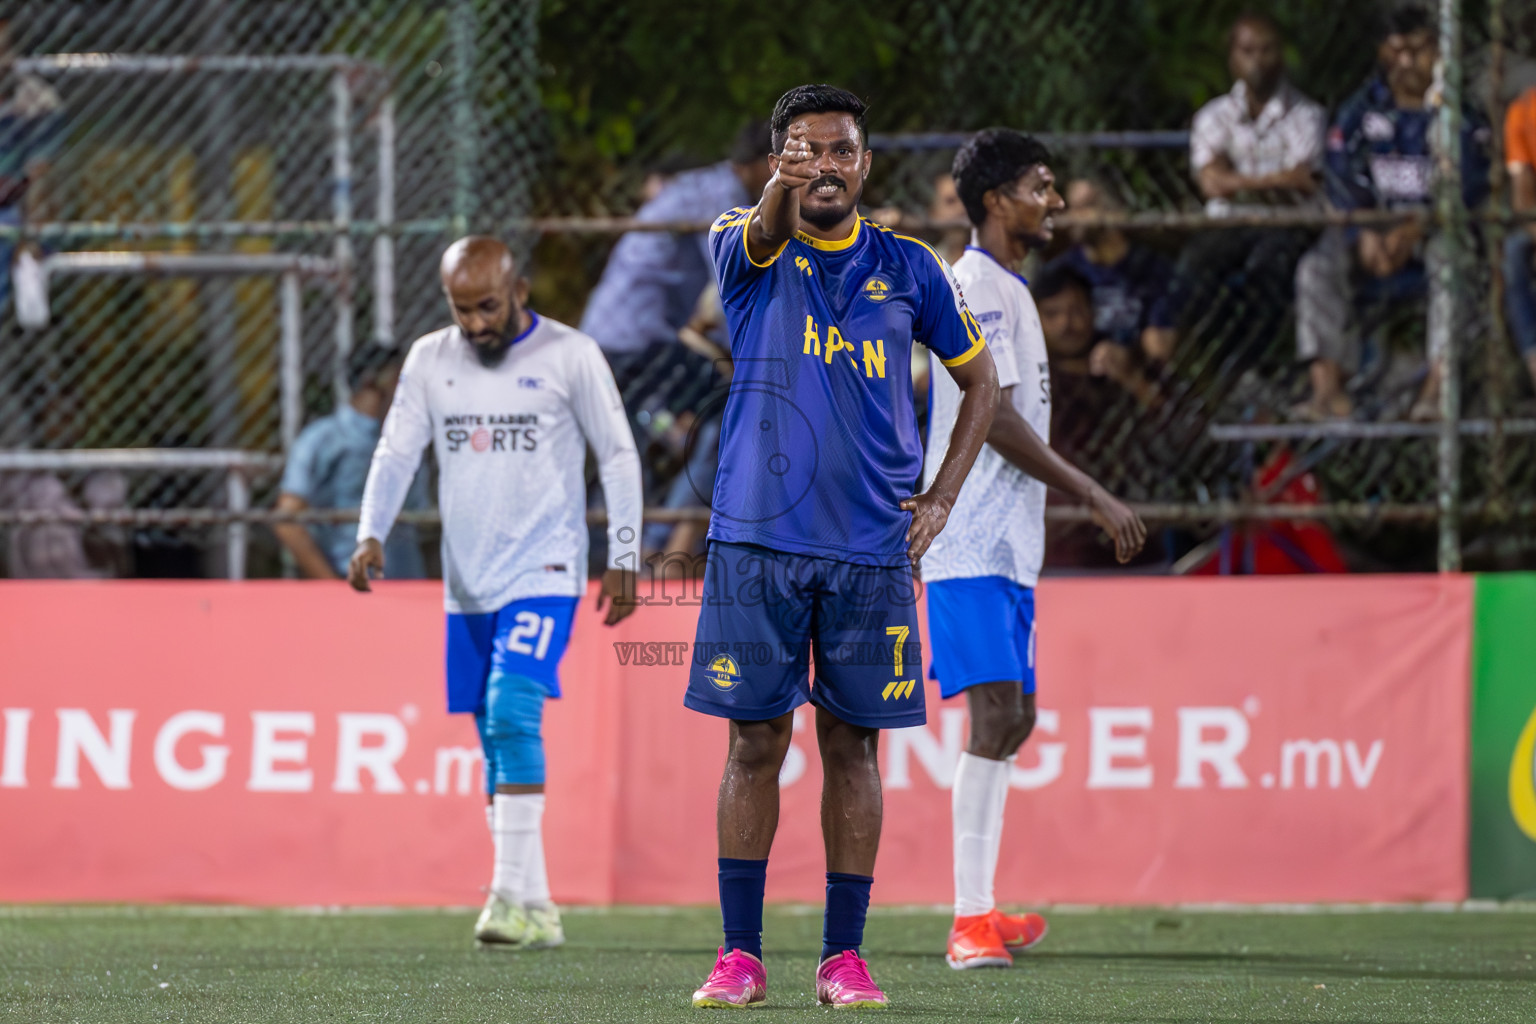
(1132, 304)
(652, 281)
(1520, 244)
(1378, 157)
(1253, 150)
(328, 467)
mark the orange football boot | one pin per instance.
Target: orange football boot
(1019, 931)
(974, 942)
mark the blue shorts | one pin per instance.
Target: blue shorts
(526, 638)
(982, 631)
(762, 612)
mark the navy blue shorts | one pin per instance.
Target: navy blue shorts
(982, 631)
(525, 638)
(763, 613)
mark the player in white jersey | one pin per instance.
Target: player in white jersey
(509, 401)
(981, 571)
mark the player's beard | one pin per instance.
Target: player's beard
(831, 215)
(491, 353)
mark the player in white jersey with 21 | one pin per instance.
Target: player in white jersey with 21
(509, 401)
(981, 571)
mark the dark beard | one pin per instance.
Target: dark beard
(490, 356)
(826, 218)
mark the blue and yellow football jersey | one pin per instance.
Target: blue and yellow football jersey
(819, 441)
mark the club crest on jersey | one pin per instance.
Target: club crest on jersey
(877, 289)
(723, 672)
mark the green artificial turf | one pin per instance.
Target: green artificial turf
(130, 964)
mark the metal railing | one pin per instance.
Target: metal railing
(343, 72)
(238, 467)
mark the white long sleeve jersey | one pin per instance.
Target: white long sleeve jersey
(511, 445)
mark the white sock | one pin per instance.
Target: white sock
(536, 885)
(980, 789)
(515, 828)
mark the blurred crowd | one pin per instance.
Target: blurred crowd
(1137, 324)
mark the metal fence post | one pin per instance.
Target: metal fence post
(1447, 265)
(341, 212)
(1496, 343)
(238, 492)
(384, 241)
(290, 360)
(466, 135)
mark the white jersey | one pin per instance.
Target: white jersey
(511, 444)
(997, 527)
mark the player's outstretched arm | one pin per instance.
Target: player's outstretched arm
(977, 378)
(778, 214)
(1016, 441)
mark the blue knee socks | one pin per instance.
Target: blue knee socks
(847, 906)
(741, 903)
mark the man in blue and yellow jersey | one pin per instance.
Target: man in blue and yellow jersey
(819, 518)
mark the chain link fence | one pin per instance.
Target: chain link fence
(274, 181)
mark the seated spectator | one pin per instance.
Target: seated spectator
(1520, 244)
(1132, 305)
(693, 487)
(653, 278)
(328, 467)
(944, 207)
(1099, 393)
(1089, 373)
(61, 550)
(660, 174)
(1378, 157)
(1255, 149)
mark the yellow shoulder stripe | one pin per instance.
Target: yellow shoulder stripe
(931, 251)
(972, 328)
(977, 344)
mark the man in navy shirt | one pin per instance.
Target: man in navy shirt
(1133, 294)
(1378, 157)
(818, 518)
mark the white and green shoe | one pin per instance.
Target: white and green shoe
(503, 923)
(544, 928)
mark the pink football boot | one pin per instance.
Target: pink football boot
(737, 982)
(843, 980)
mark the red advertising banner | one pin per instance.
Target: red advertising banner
(284, 743)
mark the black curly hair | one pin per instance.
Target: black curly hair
(991, 159)
(815, 99)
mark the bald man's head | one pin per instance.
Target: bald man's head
(486, 294)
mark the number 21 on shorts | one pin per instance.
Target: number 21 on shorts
(525, 627)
